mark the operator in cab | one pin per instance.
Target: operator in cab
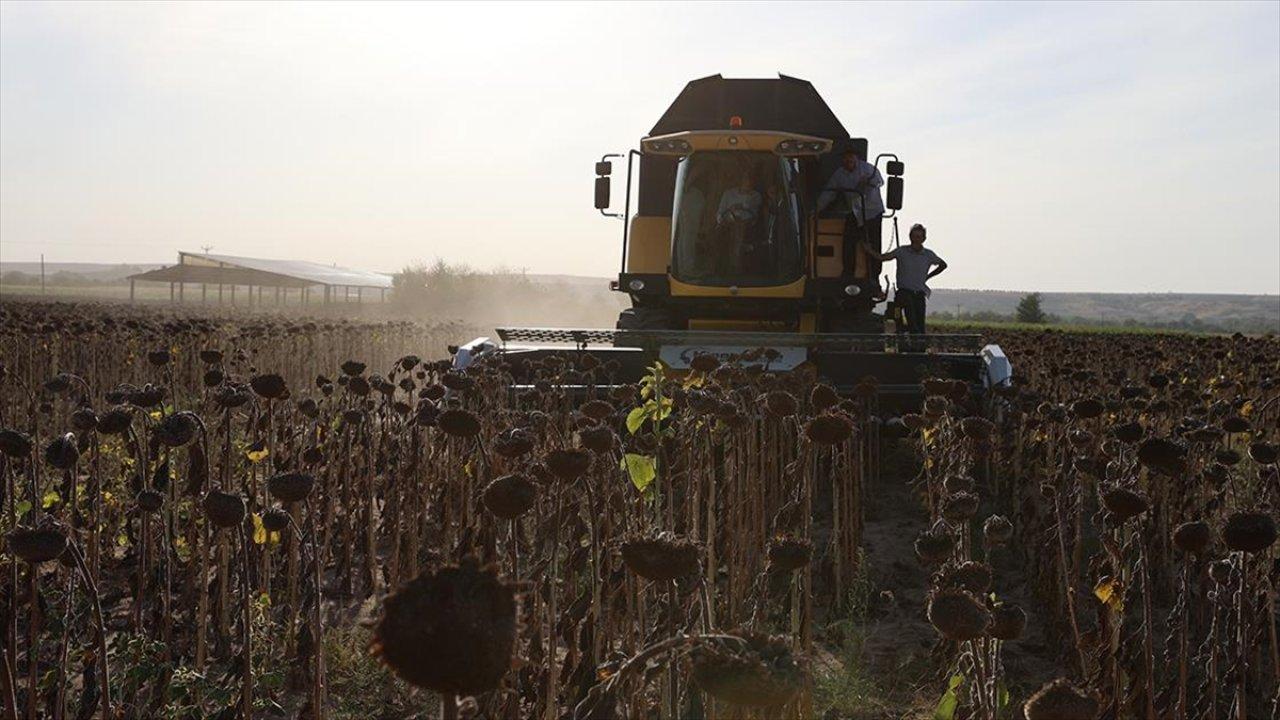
(916, 265)
(737, 220)
(856, 184)
(741, 204)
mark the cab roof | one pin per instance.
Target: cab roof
(784, 104)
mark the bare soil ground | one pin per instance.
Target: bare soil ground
(886, 661)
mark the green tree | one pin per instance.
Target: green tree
(1029, 310)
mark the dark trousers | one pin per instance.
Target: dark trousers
(854, 234)
(913, 305)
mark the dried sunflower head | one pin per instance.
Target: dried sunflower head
(1249, 531)
(957, 483)
(269, 386)
(1124, 503)
(510, 496)
(1088, 408)
(781, 404)
(177, 429)
(275, 520)
(1193, 537)
(451, 630)
(1127, 432)
(970, 575)
(934, 546)
(660, 558)
(823, 397)
(84, 420)
(458, 423)
(997, 530)
(1162, 455)
(514, 442)
(977, 428)
(1236, 424)
(1008, 621)
(149, 501)
(759, 672)
(39, 544)
(829, 429)
(957, 615)
(598, 439)
(291, 487)
(789, 553)
(15, 444)
(704, 362)
(960, 506)
(1060, 700)
(570, 464)
(62, 452)
(223, 509)
(1264, 453)
(597, 409)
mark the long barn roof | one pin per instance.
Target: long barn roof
(206, 267)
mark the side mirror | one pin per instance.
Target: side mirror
(893, 195)
(895, 168)
(604, 168)
(602, 192)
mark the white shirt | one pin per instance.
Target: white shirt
(738, 204)
(842, 179)
(913, 267)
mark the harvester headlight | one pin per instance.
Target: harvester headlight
(795, 147)
(852, 290)
(636, 285)
(668, 147)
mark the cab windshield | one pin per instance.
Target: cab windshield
(736, 220)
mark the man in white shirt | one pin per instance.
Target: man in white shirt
(916, 265)
(737, 214)
(857, 184)
(740, 204)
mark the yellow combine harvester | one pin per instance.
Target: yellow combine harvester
(703, 281)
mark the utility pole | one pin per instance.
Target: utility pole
(42, 273)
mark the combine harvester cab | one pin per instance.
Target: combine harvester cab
(733, 246)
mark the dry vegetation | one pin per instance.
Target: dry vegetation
(487, 298)
(199, 511)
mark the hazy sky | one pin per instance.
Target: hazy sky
(1052, 147)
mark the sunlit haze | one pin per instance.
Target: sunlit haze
(1057, 147)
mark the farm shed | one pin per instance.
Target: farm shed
(228, 273)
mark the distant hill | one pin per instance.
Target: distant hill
(93, 272)
(1257, 311)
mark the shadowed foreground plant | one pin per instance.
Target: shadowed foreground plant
(1060, 700)
(37, 545)
(451, 631)
(760, 672)
(958, 615)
